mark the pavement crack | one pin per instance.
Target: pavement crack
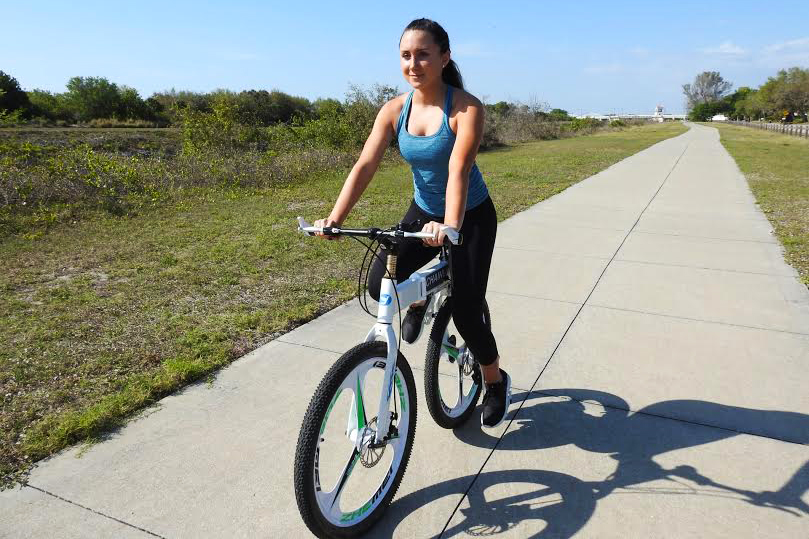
(718, 322)
(690, 266)
(490, 291)
(653, 233)
(552, 253)
(313, 347)
(118, 520)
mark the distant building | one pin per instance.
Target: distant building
(657, 116)
(719, 118)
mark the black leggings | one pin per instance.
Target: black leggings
(470, 272)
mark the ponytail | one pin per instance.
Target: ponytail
(452, 75)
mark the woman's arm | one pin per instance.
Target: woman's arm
(470, 132)
(368, 162)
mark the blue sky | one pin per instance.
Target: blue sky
(582, 56)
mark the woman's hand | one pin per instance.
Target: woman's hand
(437, 230)
(320, 223)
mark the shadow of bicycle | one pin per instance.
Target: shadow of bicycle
(548, 504)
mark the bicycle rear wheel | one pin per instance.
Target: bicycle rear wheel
(336, 497)
(452, 378)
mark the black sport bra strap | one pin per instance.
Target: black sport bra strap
(406, 112)
(448, 101)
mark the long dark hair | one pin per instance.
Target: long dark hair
(451, 74)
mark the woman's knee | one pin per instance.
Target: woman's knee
(374, 282)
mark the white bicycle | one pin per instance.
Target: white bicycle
(341, 428)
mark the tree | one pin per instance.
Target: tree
(501, 108)
(267, 108)
(790, 92)
(324, 106)
(93, 97)
(708, 86)
(130, 105)
(12, 97)
(50, 106)
(703, 112)
(748, 106)
(735, 99)
(559, 115)
(155, 111)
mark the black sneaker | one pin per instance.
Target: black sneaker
(413, 322)
(496, 401)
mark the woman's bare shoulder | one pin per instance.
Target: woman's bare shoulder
(462, 101)
(395, 105)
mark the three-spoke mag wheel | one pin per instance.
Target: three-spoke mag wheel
(452, 378)
(344, 477)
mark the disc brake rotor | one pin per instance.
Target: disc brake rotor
(370, 455)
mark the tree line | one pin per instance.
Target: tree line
(783, 98)
(96, 100)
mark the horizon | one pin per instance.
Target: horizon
(624, 58)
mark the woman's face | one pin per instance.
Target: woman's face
(421, 59)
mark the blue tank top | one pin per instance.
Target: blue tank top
(428, 157)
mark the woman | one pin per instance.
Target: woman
(439, 127)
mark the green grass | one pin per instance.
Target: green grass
(777, 168)
(107, 315)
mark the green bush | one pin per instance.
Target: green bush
(12, 97)
(584, 124)
(115, 122)
(11, 118)
(50, 107)
(218, 130)
(703, 112)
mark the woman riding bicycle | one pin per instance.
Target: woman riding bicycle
(439, 127)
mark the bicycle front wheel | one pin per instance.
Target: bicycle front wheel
(344, 479)
(452, 378)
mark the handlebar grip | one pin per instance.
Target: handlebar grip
(452, 234)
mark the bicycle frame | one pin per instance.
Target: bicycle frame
(392, 299)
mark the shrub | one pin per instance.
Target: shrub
(12, 97)
(584, 124)
(115, 122)
(50, 107)
(11, 118)
(508, 123)
(218, 130)
(705, 111)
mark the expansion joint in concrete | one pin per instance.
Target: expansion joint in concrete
(651, 233)
(118, 520)
(670, 265)
(689, 319)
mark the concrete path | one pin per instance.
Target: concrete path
(659, 349)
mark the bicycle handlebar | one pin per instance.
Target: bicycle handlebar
(452, 235)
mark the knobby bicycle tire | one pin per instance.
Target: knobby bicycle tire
(432, 391)
(310, 434)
